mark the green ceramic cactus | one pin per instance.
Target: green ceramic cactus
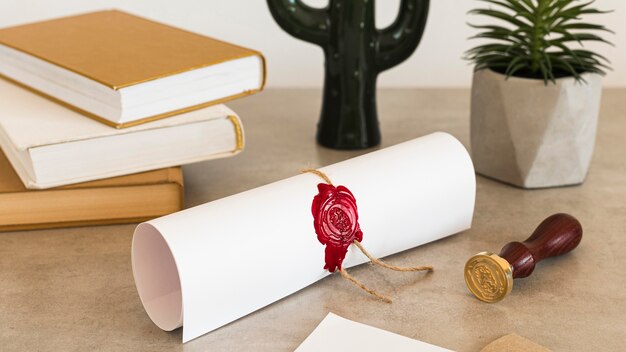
(355, 52)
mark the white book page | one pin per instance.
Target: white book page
(29, 120)
(151, 98)
(337, 334)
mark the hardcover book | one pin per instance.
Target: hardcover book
(124, 199)
(124, 70)
(51, 146)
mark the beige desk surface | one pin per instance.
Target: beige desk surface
(72, 289)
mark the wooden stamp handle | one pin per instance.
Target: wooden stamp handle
(556, 235)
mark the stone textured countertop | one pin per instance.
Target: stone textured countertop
(73, 289)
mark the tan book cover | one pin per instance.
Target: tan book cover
(119, 50)
(124, 199)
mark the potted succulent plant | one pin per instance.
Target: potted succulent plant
(536, 92)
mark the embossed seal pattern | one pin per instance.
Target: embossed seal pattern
(335, 218)
(488, 277)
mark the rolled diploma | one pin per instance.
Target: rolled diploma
(209, 265)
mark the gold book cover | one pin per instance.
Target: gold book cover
(124, 199)
(93, 59)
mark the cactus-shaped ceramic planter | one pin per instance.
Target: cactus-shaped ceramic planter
(355, 52)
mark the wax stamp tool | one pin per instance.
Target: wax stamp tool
(490, 276)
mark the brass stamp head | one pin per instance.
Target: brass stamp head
(489, 277)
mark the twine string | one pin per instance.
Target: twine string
(357, 283)
(390, 266)
(372, 259)
(317, 172)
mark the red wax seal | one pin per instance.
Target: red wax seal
(335, 218)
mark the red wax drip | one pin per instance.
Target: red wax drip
(335, 218)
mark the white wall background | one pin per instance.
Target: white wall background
(294, 63)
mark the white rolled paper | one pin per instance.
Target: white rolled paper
(206, 266)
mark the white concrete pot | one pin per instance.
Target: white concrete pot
(531, 135)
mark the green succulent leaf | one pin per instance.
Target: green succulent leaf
(541, 39)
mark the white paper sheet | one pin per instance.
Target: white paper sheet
(212, 264)
(337, 334)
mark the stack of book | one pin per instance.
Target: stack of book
(98, 111)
